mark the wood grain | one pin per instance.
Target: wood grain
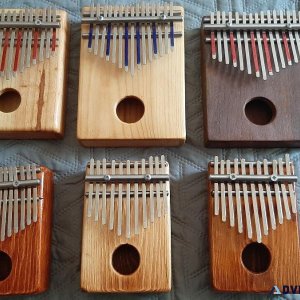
(159, 84)
(226, 90)
(29, 249)
(228, 273)
(43, 91)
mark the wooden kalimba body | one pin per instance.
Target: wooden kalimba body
(254, 238)
(126, 244)
(25, 229)
(249, 78)
(131, 82)
(33, 58)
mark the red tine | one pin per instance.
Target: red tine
(286, 48)
(254, 53)
(213, 45)
(233, 50)
(4, 51)
(17, 53)
(267, 52)
(53, 44)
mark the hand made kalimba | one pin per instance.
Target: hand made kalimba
(249, 72)
(33, 56)
(131, 85)
(25, 229)
(254, 240)
(126, 244)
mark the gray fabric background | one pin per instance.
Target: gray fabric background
(188, 165)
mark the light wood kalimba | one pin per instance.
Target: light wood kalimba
(25, 229)
(126, 244)
(249, 71)
(254, 239)
(33, 58)
(131, 85)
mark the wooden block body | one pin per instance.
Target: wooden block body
(30, 249)
(227, 90)
(42, 89)
(159, 85)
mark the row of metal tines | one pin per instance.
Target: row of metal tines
(266, 40)
(141, 187)
(26, 36)
(130, 34)
(254, 191)
(18, 198)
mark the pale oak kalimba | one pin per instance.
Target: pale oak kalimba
(126, 243)
(254, 239)
(250, 70)
(25, 229)
(131, 82)
(33, 58)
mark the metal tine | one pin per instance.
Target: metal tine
(284, 191)
(132, 48)
(35, 195)
(260, 49)
(126, 41)
(269, 196)
(172, 40)
(29, 40)
(48, 35)
(16, 207)
(35, 40)
(246, 202)
(121, 9)
(11, 48)
(5, 46)
(165, 185)
(24, 42)
(22, 217)
(97, 31)
(54, 32)
(291, 186)
(272, 42)
(219, 39)
(28, 203)
(145, 218)
(108, 35)
(291, 37)
(262, 201)
(266, 45)
(91, 29)
(97, 191)
(232, 43)
(128, 201)
(102, 46)
(216, 189)
(246, 43)
(144, 50)
(277, 194)
(157, 190)
(284, 39)
(151, 191)
(154, 37)
(43, 34)
(278, 42)
(255, 207)
(212, 37)
(91, 189)
(138, 38)
(225, 40)
(254, 51)
(104, 193)
(10, 203)
(4, 208)
(239, 43)
(112, 197)
(120, 202)
(230, 199)
(296, 32)
(223, 199)
(136, 200)
(238, 198)
(149, 33)
(167, 40)
(159, 29)
(115, 32)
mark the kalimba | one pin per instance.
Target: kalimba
(126, 245)
(25, 229)
(33, 58)
(249, 72)
(131, 82)
(254, 239)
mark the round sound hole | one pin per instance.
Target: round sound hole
(260, 111)
(256, 258)
(10, 100)
(126, 259)
(5, 265)
(130, 109)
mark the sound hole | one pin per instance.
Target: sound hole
(256, 257)
(126, 259)
(260, 111)
(130, 109)
(10, 100)
(5, 265)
